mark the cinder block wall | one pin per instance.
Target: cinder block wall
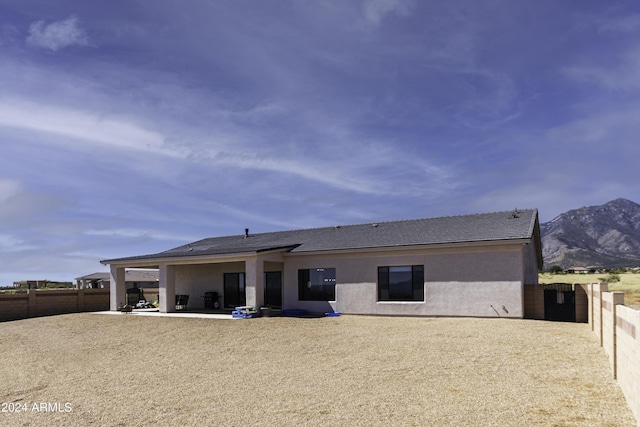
(534, 302)
(56, 302)
(14, 306)
(598, 289)
(609, 300)
(95, 300)
(35, 303)
(628, 355)
(618, 328)
(582, 303)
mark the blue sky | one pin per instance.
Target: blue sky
(131, 127)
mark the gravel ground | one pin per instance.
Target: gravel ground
(107, 370)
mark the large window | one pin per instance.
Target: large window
(317, 284)
(234, 294)
(401, 283)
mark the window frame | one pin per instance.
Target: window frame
(305, 292)
(385, 293)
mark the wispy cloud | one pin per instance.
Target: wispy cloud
(354, 167)
(57, 35)
(141, 233)
(376, 10)
(613, 128)
(19, 203)
(80, 127)
(620, 74)
(11, 243)
(626, 24)
(9, 188)
(616, 67)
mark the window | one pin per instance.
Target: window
(317, 284)
(234, 294)
(401, 283)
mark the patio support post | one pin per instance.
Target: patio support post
(118, 292)
(167, 288)
(254, 275)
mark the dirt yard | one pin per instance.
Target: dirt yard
(120, 370)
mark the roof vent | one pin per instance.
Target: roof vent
(374, 225)
(515, 213)
(246, 233)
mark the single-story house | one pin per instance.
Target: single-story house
(32, 284)
(467, 265)
(579, 270)
(133, 279)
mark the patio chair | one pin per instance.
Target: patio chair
(181, 302)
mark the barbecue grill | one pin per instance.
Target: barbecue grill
(211, 300)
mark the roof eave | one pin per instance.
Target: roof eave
(154, 261)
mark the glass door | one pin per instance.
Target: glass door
(273, 289)
(234, 294)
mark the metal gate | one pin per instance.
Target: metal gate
(560, 302)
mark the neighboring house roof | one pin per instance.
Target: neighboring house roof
(142, 275)
(94, 276)
(488, 227)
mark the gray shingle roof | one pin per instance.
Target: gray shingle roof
(497, 226)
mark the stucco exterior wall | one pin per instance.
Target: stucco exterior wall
(530, 264)
(473, 299)
(483, 281)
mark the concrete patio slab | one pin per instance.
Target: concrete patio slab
(156, 313)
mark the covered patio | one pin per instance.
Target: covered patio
(243, 279)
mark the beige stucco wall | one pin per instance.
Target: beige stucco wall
(530, 264)
(474, 299)
(484, 281)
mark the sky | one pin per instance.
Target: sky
(132, 127)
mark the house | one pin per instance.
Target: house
(41, 284)
(579, 270)
(93, 281)
(133, 279)
(468, 265)
(31, 284)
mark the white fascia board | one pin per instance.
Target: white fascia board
(183, 260)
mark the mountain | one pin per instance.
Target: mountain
(599, 236)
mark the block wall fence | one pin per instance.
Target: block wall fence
(35, 303)
(617, 328)
(534, 303)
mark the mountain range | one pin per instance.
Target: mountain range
(595, 236)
